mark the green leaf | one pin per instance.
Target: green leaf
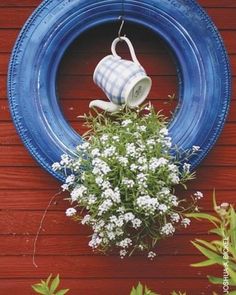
(232, 264)
(55, 283)
(209, 254)
(214, 199)
(146, 291)
(203, 263)
(232, 251)
(38, 288)
(218, 281)
(149, 292)
(217, 243)
(133, 292)
(217, 231)
(232, 293)
(232, 275)
(200, 216)
(231, 283)
(62, 292)
(48, 279)
(233, 226)
(207, 244)
(215, 280)
(139, 290)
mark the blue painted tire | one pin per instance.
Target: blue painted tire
(201, 60)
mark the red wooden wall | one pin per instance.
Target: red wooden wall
(25, 188)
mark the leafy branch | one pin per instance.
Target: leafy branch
(222, 250)
(143, 290)
(49, 287)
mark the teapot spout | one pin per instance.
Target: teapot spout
(105, 105)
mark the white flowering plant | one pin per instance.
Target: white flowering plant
(122, 181)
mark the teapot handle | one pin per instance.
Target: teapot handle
(131, 48)
(105, 105)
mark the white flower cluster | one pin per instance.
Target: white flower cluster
(70, 212)
(78, 192)
(168, 229)
(124, 177)
(100, 167)
(198, 195)
(151, 255)
(129, 183)
(148, 204)
(185, 222)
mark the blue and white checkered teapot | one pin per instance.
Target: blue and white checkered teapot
(124, 82)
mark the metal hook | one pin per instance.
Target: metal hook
(121, 26)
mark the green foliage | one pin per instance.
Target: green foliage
(49, 287)
(222, 250)
(142, 290)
